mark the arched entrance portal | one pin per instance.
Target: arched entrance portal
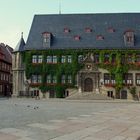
(88, 85)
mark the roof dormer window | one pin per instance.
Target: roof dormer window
(111, 30)
(46, 39)
(88, 30)
(66, 30)
(77, 37)
(129, 38)
(100, 37)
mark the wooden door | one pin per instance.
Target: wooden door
(88, 85)
(123, 94)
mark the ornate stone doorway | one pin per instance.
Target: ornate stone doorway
(89, 76)
(88, 85)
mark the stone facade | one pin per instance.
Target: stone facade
(19, 79)
(5, 70)
(90, 79)
(94, 41)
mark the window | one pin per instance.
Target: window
(100, 37)
(66, 30)
(36, 79)
(63, 79)
(49, 59)
(111, 30)
(80, 58)
(39, 79)
(128, 79)
(0, 65)
(54, 59)
(106, 78)
(34, 59)
(77, 37)
(113, 58)
(112, 79)
(4, 77)
(109, 79)
(63, 59)
(39, 58)
(46, 39)
(88, 30)
(138, 79)
(129, 38)
(48, 79)
(129, 58)
(69, 59)
(106, 58)
(138, 58)
(123, 59)
(96, 58)
(1, 76)
(0, 88)
(69, 79)
(54, 79)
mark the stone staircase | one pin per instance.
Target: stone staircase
(88, 96)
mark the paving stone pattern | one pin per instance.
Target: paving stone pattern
(28, 119)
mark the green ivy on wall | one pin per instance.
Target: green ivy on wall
(58, 69)
(53, 69)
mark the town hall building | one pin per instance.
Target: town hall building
(75, 55)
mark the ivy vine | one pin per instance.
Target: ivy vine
(118, 69)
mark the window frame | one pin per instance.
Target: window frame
(69, 79)
(63, 59)
(128, 79)
(106, 57)
(49, 59)
(69, 59)
(49, 79)
(34, 58)
(106, 78)
(54, 79)
(36, 79)
(63, 79)
(137, 79)
(54, 59)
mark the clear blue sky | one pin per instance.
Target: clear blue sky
(16, 15)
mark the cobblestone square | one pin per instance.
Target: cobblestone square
(30, 119)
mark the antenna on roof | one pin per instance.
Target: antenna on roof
(21, 34)
(59, 6)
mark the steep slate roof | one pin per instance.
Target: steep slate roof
(20, 46)
(7, 52)
(77, 23)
